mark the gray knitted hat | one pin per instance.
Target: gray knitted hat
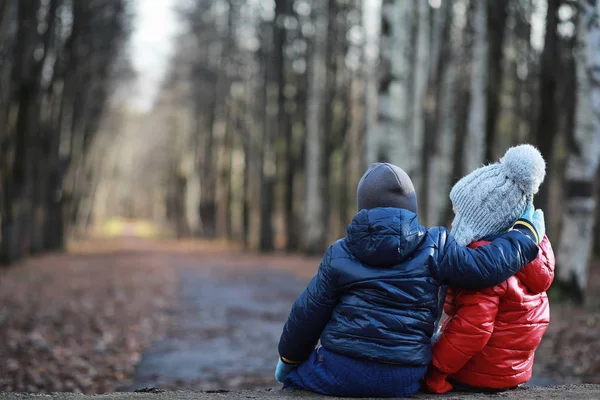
(490, 199)
(386, 185)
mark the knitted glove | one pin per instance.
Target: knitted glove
(283, 369)
(538, 223)
(528, 215)
(530, 225)
(435, 381)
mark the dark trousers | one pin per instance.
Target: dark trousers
(333, 374)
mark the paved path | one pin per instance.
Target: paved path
(226, 330)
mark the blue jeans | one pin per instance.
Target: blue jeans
(332, 374)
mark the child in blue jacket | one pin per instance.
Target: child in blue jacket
(374, 301)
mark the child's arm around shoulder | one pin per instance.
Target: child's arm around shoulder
(484, 266)
(310, 313)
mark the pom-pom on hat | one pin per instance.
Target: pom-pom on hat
(490, 199)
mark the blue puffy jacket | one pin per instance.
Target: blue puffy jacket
(375, 295)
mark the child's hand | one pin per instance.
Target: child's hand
(539, 223)
(435, 381)
(283, 370)
(528, 215)
(534, 218)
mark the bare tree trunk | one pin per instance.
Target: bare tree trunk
(510, 89)
(347, 168)
(442, 135)
(596, 246)
(458, 170)
(496, 23)
(249, 167)
(344, 189)
(475, 141)
(18, 187)
(527, 83)
(357, 131)
(394, 121)
(8, 30)
(428, 193)
(371, 22)
(40, 138)
(272, 64)
(547, 125)
(299, 122)
(53, 226)
(213, 137)
(420, 76)
(314, 212)
(283, 9)
(330, 120)
(208, 207)
(291, 225)
(227, 170)
(584, 157)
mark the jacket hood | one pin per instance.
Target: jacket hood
(538, 274)
(384, 236)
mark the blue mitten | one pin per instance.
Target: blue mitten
(283, 370)
(538, 222)
(531, 223)
(528, 215)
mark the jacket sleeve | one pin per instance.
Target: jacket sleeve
(468, 331)
(485, 266)
(310, 314)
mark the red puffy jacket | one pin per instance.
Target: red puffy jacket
(490, 336)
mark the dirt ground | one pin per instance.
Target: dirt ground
(580, 392)
(123, 314)
(80, 322)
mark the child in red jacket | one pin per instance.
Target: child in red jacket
(489, 339)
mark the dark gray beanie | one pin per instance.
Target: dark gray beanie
(386, 185)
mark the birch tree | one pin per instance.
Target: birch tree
(475, 140)
(584, 157)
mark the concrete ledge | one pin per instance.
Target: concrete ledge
(526, 393)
